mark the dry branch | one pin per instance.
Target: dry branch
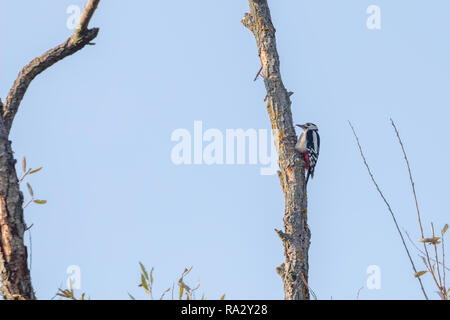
(76, 42)
(15, 275)
(86, 16)
(389, 209)
(416, 202)
(296, 237)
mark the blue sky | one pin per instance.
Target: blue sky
(100, 123)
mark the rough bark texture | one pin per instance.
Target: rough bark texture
(14, 272)
(16, 282)
(296, 237)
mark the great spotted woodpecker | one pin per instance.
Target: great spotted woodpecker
(308, 145)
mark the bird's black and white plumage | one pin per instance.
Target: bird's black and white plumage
(308, 145)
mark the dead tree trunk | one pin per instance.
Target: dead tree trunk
(296, 236)
(15, 275)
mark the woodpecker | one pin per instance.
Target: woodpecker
(308, 145)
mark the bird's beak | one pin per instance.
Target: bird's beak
(301, 126)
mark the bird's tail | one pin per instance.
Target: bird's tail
(309, 173)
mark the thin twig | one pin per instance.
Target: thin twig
(443, 266)
(307, 286)
(410, 177)
(259, 72)
(359, 291)
(26, 205)
(389, 208)
(31, 247)
(437, 258)
(24, 175)
(56, 294)
(260, 69)
(413, 187)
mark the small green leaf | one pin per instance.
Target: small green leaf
(36, 170)
(445, 229)
(30, 190)
(144, 271)
(144, 284)
(40, 201)
(419, 274)
(151, 276)
(222, 297)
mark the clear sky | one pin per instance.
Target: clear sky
(100, 123)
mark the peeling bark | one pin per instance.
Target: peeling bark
(14, 272)
(296, 236)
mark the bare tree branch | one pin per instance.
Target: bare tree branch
(296, 237)
(413, 188)
(15, 275)
(86, 16)
(389, 208)
(76, 42)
